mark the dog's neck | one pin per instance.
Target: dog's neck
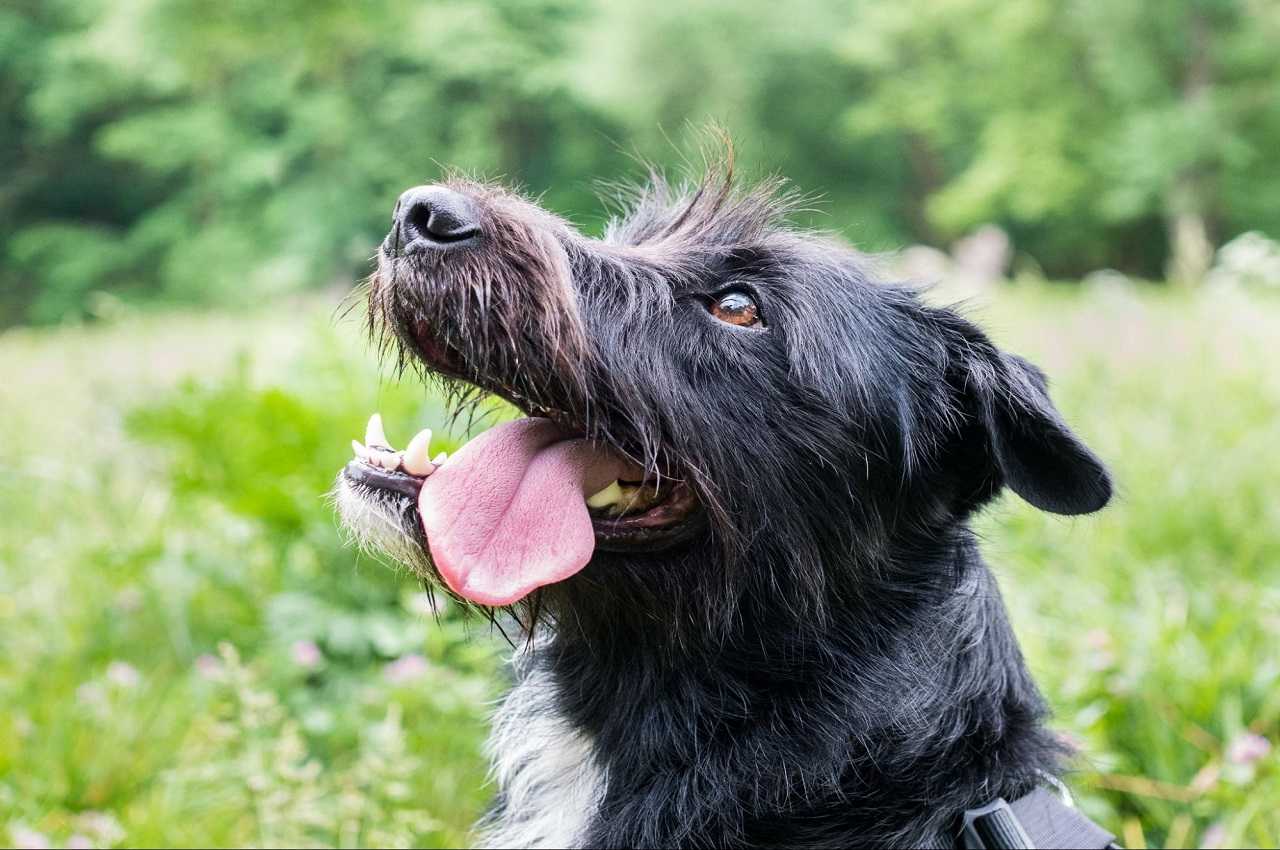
(877, 723)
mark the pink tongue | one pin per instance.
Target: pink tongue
(508, 514)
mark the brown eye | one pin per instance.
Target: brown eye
(736, 308)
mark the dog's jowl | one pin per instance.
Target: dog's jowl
(734, 519)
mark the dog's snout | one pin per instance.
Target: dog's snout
(433, 217)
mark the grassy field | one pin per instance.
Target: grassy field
(189, 655)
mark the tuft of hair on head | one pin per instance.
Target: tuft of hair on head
(706, 205)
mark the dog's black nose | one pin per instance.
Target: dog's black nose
(434, 217)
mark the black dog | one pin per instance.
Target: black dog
(734, 523)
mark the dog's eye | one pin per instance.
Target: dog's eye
(736, 308)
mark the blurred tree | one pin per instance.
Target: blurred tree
(178, 149)
(1193, 95)
(281, 133)
(1083, 124)
(61, 201)
(770, 74)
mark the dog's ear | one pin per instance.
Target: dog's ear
(1036, 453)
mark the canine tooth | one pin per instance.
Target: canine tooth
(608, 496)
(374, 435)
(359, 449)
(440, 458)
(415, 457)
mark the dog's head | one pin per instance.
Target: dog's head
(718, 404)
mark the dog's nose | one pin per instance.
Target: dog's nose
(433, 217)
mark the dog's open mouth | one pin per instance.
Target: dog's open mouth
(524, 504)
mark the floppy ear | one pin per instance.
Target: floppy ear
(1039, 457)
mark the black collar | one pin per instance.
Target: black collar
(1041, 820)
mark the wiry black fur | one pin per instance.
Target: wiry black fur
(829, 663)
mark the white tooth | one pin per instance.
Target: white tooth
(416, 460)
(360, 450)
(608, 496)
(390, 461)
(373, 433)
(440, 458)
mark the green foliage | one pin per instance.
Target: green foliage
(1074, 123)
(174, 150)
(266, 142)
(193, 655)
(1153, 624)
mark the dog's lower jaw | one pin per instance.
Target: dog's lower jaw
(381, 524)
(611, 745)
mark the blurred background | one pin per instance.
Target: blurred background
(189, 655)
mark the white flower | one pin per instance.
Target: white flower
(208, 666)
(306, 654)
(25, 838)
(123, 674)
(406, 669)
(1247, 748)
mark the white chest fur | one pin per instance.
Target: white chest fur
(545, 770)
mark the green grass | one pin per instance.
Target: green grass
(189, 654)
